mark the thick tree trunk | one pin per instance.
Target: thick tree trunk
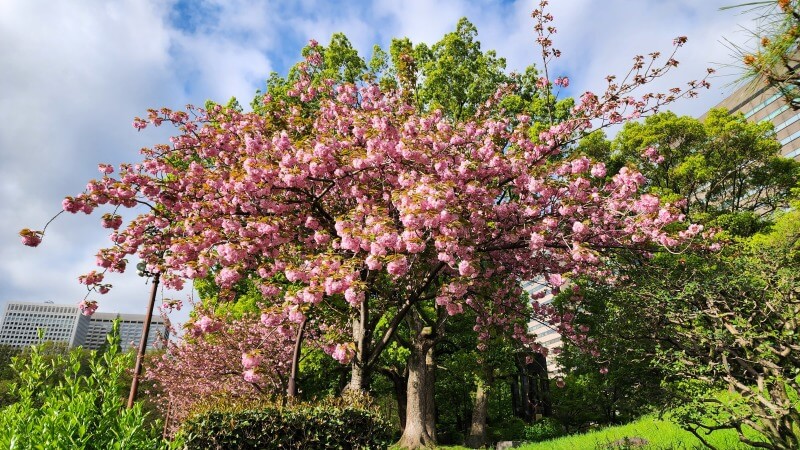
(515, 403)
(359, 381)
(477, 432)
(528, 413)
(542, 386)
(359, 375)
(415, 434)
(419, 391)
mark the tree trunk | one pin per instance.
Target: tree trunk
(516, 407)
(415, 434)
(477, 431)
(291, 390)
(399, 381)
(359, 380)
(359, 376)
(528, 412)
(400, 386)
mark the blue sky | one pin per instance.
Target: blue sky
(75, 74)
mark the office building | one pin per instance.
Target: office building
(22, 322)
(130, 330)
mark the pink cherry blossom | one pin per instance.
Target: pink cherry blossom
(398, 266)
(251, 360)
(342, 353)
(87, 307)
(251, 376)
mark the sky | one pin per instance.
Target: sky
(73, 75)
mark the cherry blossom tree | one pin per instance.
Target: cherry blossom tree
(222, 356)
(372, 208)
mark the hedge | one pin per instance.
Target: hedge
(306, 426)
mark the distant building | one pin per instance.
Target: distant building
(766, 103)
(65, 323)
(130, 330)
(545, 333)
(60, 323)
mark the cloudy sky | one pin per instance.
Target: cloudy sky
(73, 75)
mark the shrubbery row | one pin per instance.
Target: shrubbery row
(329, 425)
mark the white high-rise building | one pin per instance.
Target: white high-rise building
(65, 323)
(60, 323)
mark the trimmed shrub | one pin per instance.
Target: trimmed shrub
(327, 425)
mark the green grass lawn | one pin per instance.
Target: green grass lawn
(659, 434)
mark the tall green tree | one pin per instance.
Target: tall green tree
(703, 320)
(721, 165)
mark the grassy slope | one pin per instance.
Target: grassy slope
(660, 435)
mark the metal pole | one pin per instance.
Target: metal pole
(137, 371)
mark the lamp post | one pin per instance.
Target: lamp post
(137, 371)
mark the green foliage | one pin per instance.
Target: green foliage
(320, 375)
(7, 353)
(458, 75)
(510, 429)
(543, 430)
(705, 408)
(724, 164)
(342, 61)
(332, 424)
(775, 59)
(706, 322)
(246, 292)
(77, 412)
(632, 385)
(702, 321)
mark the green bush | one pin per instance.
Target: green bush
(510, 429)
(79, 411)
(545, 429)
(326, 425)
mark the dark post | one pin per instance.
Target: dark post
(137, 371)
(292, 390)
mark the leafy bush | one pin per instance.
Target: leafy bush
(510, 429)
(545, 429)
(326, 425)
(78, 412)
